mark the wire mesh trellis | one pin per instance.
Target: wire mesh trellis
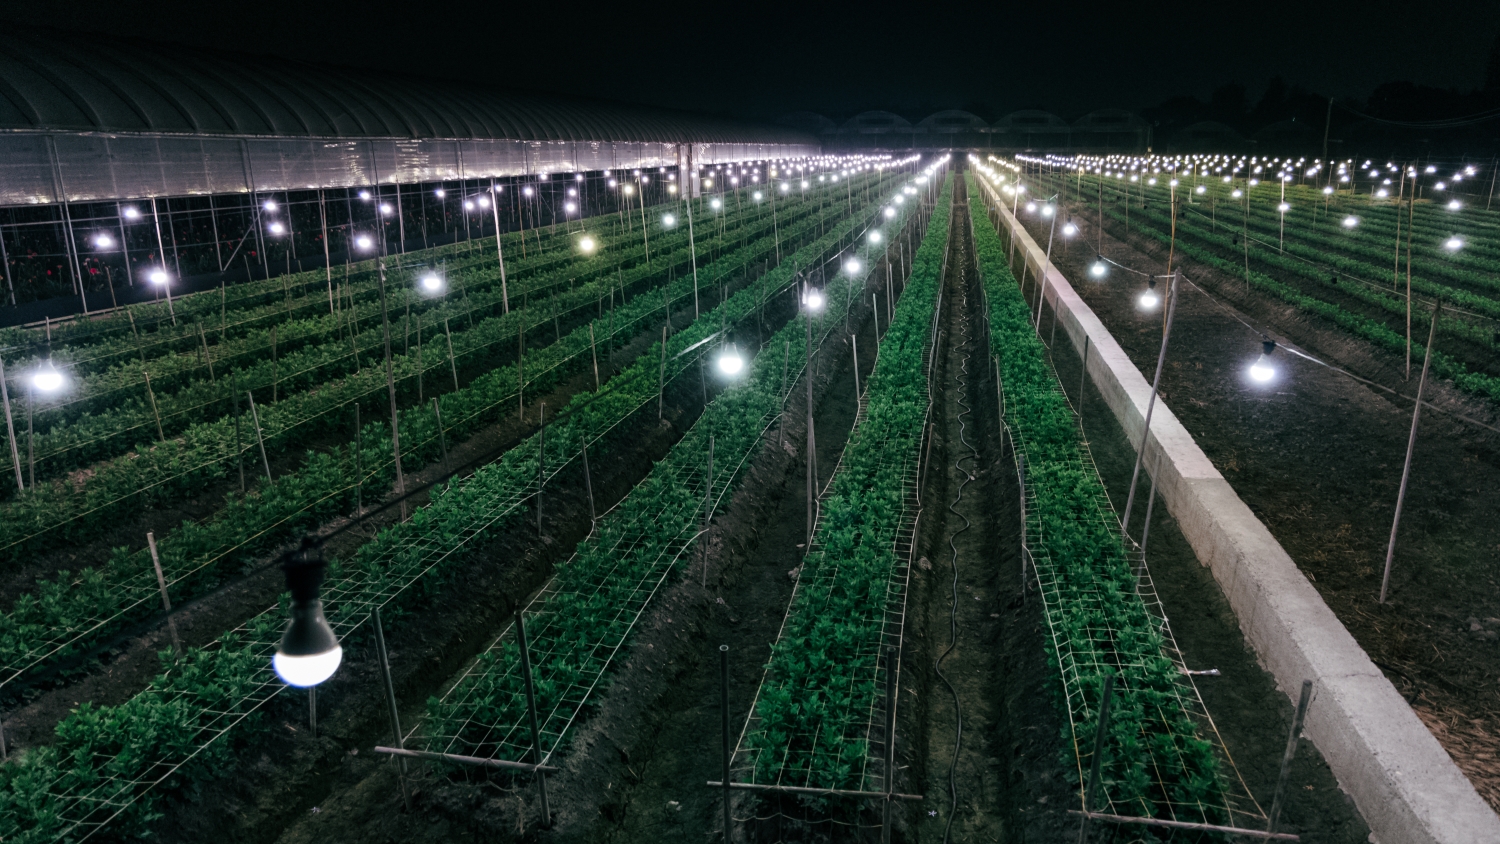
(848, 749)
(138, 590)
(623, 563)
(1088, 609)
(215, 688)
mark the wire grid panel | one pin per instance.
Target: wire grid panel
(820, 575)
(82, 808)
(140, 589)
(1096, 652)
(484, 713)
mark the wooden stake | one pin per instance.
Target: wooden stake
(161, 582)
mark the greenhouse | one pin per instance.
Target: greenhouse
(419, 453)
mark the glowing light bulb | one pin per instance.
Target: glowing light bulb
(852, 265)
(363, 241)
(431, 283)
(716, 204)
(1455, 205)
(1236, 193)
(1351, 221)
(1099, 268)
(1453, 244)
(385, 209)
(587, 245)
(1030, 207)
(104, 241)
(570, 207)
(668, 220)
(47, 379)
(730, 362)
(440, 193)
(1263, 370)
(1069, 229)
(1284, 207)
(484, 202)
(159, 277)
(132, 214)
(889, 212)
(276, 228)
(874, 237)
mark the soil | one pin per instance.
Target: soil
(636, 769)
(1318, 457)
(119, 667)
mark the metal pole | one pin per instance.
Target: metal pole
(390, 701)
(1150, 405)
(594, 353)
(661, 378)
(536, 734)
(239, 450)
(1286, 758)
(541, 467)
(1083, 373)
(890, 743)
(812, 480)
(161, 582)
(255, 418)
(1092, 791)
(359, 473)
(452, 365)
(693, 254)
(390, 378)
(1411, 444)
(854, 348)
(708, 505)
(10, 429)
(724, 731)
(1025, 581)
(442, 439)
(499, 251)
(588, 484)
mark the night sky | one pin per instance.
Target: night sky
(761, 60)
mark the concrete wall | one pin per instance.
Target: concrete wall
(1403, 782)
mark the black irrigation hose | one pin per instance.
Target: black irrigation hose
(963, 391)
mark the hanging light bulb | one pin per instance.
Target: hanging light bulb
(1351, 221)
(1069, 229)
(852, 266)
(729, 361)
(363, 241)
(432, 283)
(668, 220)
(874, 237)
(1453, 244)
(1263, 369)
(1098, 268)
(814, 299)
(1030, 207)
(308, 653)
(1148, 298)
(104, 241)
(586, 245)
(48, 379)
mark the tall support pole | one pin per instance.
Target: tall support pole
(390, 702)
(10, 429)
(1411, 445)
(499, 250)
(161, 583)
(661, 378)
(390, 380)
(259, 437)
(541, 468)
(1161, 359)
(693, 255)
(1083, 374)
(327, 262)
(724, 733)
(812, 478)
(588, 484)
(1091, 794)
(452, 363)
(536, 733)
(1286, 757)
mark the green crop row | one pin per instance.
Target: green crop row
(576, 624)
(132, 422)
(186, 725)
(208, 451)
(1443, 364)
(1153, 755)
(209, 354)
(821, 683)
(96, 340)
(80, 607)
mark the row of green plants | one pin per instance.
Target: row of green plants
(94, 339)
(576, 624)
(1220, 252)
(821, 683)
(349, 339)
(208, 352)
(1153, 755)
(1368, 248)
(212, 450)
(70, 610)
(188, 722)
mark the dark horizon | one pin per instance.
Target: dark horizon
(839, 62)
